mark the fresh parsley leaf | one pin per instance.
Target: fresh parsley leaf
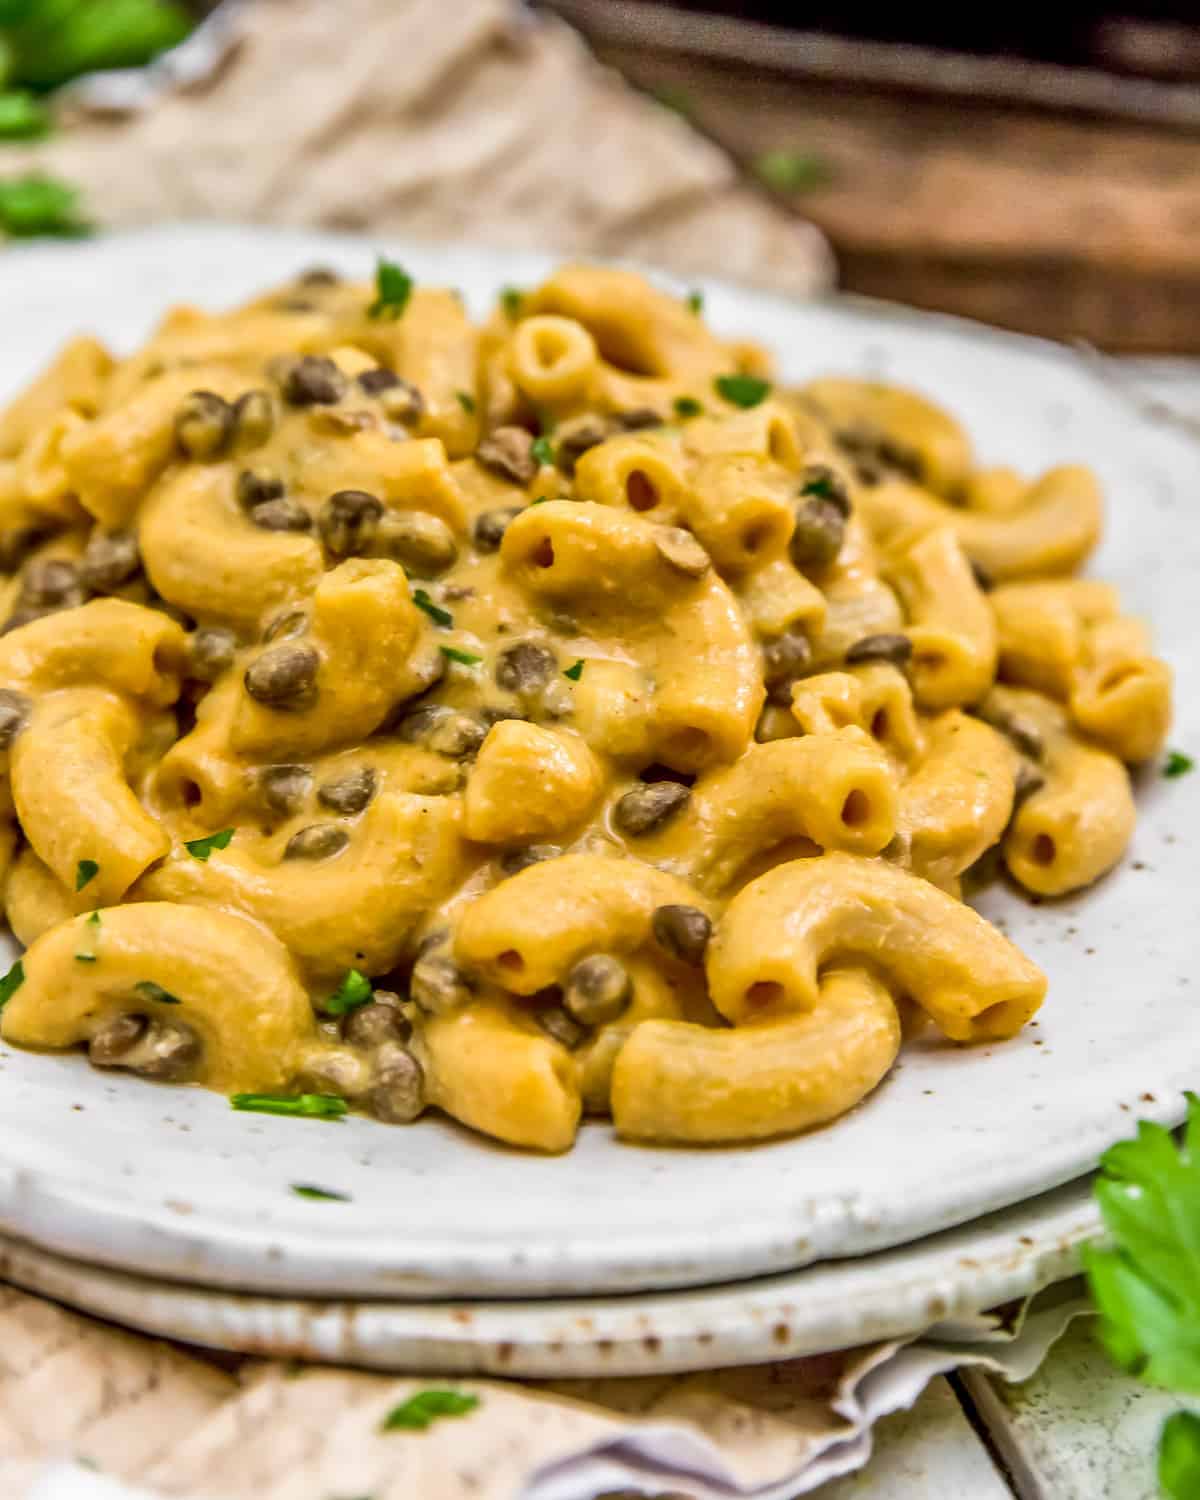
(94, 919)
(695, 303)
(575, 672)
(1179, 1456)
(320, 1194)
(423, 1409)
(542, 451)
(53, 42)
(22, 117)
(466, 401)
(1178, 764)
(688, 406)
(742, 390)
(201, 848)
(1147, 1286)
(306, 1106)
(151, 992)
(436, 613)
(542, 500)
(393, 288)
(510, 300)
(354, 990)
(464, 658)
(85, 958)
(11, 983)
(792, 171)
(85, 872)
(37, 205)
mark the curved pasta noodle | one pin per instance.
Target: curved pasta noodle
(779, 931)
(525, 933)
(677, 1082)
(874, 697)
(125, 647)
(225, 977)
(72, 755)
(949, 622)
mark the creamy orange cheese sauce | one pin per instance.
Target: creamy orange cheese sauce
(552, 716)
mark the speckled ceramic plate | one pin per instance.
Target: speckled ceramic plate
(174, 1184)
(893, 1293)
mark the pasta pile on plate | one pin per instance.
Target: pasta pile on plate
(543, 718)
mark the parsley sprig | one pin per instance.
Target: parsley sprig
(1147, 1285)
(85, 872)
(742, 390)
(201, 848)
(1177, 764)
(11, 983)
(354, 990)
(36, 205)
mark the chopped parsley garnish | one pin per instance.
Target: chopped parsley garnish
(354, 990)
(202, 848)
(424, 1409)
(436, 613)
(792, 171)
(37, 205)
(464, 658)
(85, 958)
(85, 872)
(466, 401)
(306, 1106)
(11, 983)
(94, 919)
(510, 300)
(687, 406)
(1179, 1456)
(542, 500)
(1178, 764)
(575, 672)
(542, 451)
(742, 390)
(152, 992)
(393, 288)
(820, 485)
(695, 302)
(22, 117)
(319, 1194)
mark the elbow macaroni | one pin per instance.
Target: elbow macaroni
(533, 720)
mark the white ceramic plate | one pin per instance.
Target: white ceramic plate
(894, 1293)
(171, 1182)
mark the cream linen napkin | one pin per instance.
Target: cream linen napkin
(444, 119)
(90, 1413)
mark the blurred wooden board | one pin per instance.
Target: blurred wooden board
(1069, 226)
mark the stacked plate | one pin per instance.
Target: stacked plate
(942, 1194)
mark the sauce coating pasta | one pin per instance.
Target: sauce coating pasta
(537, 719)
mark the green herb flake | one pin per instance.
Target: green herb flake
(305, 1106)
(354, 990)
(22, 117)
(201, 848)
(464, 658)
(11, 983)
(94, 919)
(674, 97)
(821, 485)
(466, 401)
(1178, 764)
(510, 300)
(575, 672)
(436, 613)
(542, 451)
(393, 288)
(542, 500)
(154, 993)
(792, 171)
(423, 1410)
(742, 390)
(688, 406)
(35, 205)
(85, 958)
(695, 303)
(319, 1194)
(1179, 1456)
(85, 872)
